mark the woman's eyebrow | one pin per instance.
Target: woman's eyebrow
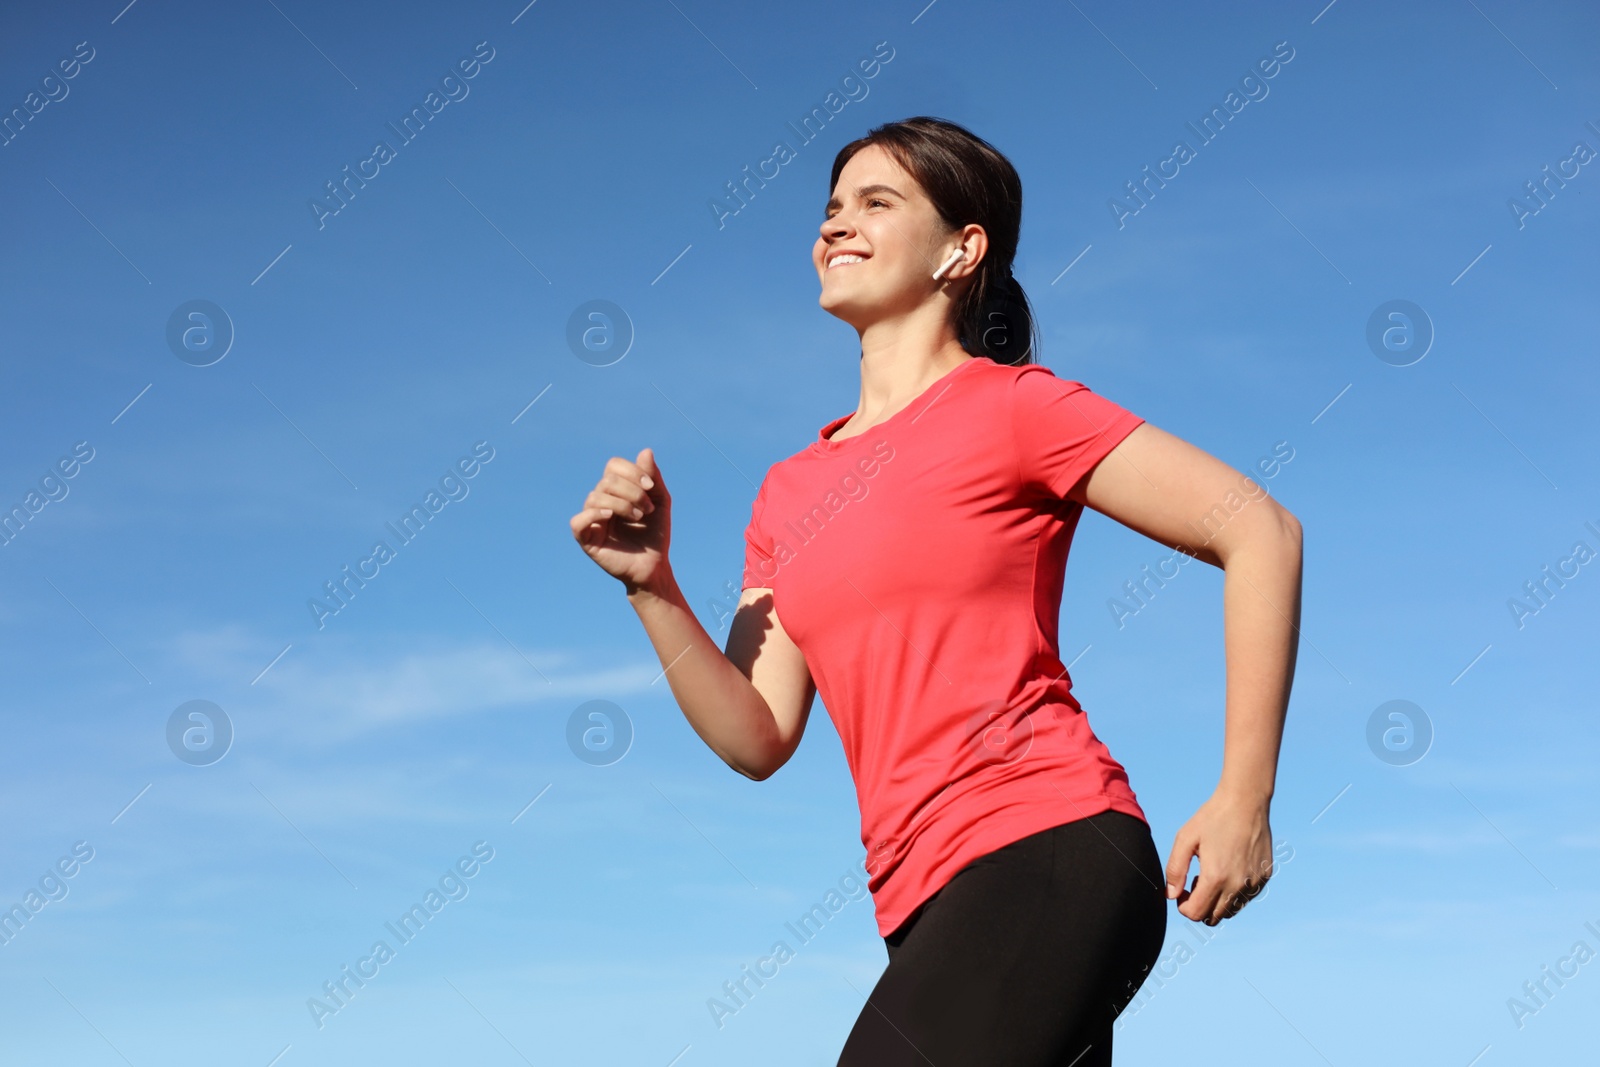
(865, 190)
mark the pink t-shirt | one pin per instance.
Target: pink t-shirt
(918, 566)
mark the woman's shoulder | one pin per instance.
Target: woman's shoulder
(1040, 379)
(1010, 372)
(1033, 372)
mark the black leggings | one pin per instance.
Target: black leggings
(1025, 957)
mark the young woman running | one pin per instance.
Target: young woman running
(917, 550)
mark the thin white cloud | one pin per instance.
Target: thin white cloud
(337, 690)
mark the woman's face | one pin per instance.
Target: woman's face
(879, 212)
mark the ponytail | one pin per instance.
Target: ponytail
(995, 320)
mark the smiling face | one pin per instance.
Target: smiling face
(880, 213)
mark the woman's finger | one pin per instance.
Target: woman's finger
(588, 517)
(589, 525)
(627, 471)
(1230, 902)
(1183, 850)
(625, 489)
(1202, 902)
(1211, 895)
(622, 506)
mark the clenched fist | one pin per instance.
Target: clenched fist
(625, 523)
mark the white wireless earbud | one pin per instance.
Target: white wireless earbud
(958, 254)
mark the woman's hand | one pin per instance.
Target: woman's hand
(1233, 841)
(625, 523)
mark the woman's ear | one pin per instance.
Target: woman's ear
(975, 244)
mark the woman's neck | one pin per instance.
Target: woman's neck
(900, 358)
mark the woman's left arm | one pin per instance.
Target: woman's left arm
(1187, 499)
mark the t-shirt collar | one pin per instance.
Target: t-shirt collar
(904, 415)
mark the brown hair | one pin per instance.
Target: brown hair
(969, 181)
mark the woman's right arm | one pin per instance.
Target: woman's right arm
(748, 704)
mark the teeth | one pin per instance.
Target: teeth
(846, 258)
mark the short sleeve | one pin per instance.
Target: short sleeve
(1062, 429)
(759, 569)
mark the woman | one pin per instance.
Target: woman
(917, 549)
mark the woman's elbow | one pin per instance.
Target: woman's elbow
(1289, 543)
(753, 775)
(766, 767)
(1290, 525)
(1274, 531)
(758, 768)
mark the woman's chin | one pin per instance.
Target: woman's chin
(836, 300)
(844, 310)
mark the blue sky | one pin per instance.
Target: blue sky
(373, 349)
